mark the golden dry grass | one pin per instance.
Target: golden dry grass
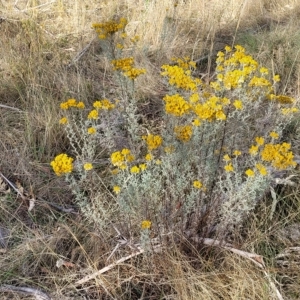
(49, 53)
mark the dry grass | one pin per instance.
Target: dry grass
(50, 53)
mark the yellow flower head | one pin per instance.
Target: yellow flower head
(106, 104)
(93, 114)
(197, 184)
(146, 224)
(148, 157)
(274, 135)
(259, 140)
(262, 169)
(63, 121)
(249, 173)
(80, 105)
(184, 133)
(97, 104)
(135, 170)
(88, 166)
(226, 157)
(116, 189)
(153, 141)
(237, 153)
(62, 164)
(229, 168)
(238, 104)
(92, 130)
(143, 167)
(253, 150)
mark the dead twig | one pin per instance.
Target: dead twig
(39, 295)
(87, 278)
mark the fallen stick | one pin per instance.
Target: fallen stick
(87, 278)
(39, 295)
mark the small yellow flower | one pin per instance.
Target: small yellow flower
(143, 167)
(92, 130)
(153, 141)
(259, 140)
(116, 189)
(146, 224)
(274, 135)
(72, 102)
(64, 105)
(120, 46)
(249, 173)
(80, 105)
(106, 104)
(238, 104)
(227, 49)
(158, 162)
(183, 133)
(264, 71)
(276, 78)
(169, 149)
(196, 122)
(88, 166)
(97, 104)
(63, 121)
(114, 171)
(253, 150)
(229, 167)
(262, 169)
(93, 114)
(125, 151)
(226, 157)
(237, 153)
(148, 157)
(197, 184)
(135, 170)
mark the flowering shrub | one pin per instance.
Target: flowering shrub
(205, 169)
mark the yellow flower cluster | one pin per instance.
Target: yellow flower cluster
(262, 169)
(279, 155)
(184, 63)
(235, 68)
(133, 73)
(121, 158)
(108, 28)
(212, 109)
(72, 103)
(62, 164)
(125, 65)
(176, 105)
(288, 111)
(153, 141)
(183, 133)
(103, 104)
(180, 78)
(93, 114)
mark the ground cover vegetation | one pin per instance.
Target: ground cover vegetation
(150, 150)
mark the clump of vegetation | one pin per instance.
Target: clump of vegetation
(218, 142)
(157, 167)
